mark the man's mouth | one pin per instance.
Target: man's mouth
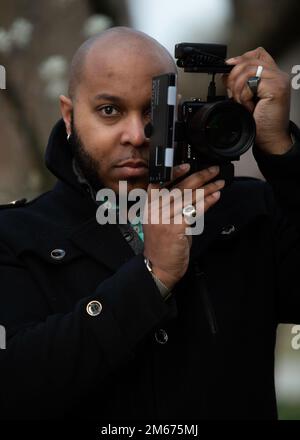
(133, 163)
(133, 168)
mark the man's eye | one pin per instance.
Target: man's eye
(108, 110)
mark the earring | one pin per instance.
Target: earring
(68, 137)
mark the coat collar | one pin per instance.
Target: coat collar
(59, 159)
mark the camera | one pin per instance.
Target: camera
(203, 133)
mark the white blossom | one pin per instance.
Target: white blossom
(53, 67)
(53, 72)
(96, 23)
(5, 41)
(20, 32)
(56, 88)
(2, 78)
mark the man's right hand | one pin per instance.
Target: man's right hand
(166, 245)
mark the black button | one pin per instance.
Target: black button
(94, 308)
(161, 336)
(128, 236)
(58, 254)
(228, 230)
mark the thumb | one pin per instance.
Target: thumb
(180, 170)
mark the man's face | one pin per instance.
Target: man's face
(111, 109)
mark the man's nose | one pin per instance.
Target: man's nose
(134, 131)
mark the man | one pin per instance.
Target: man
(95, 333)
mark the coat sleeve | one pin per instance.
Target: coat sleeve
(283, 200)
(51, 361)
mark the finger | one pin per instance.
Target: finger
(180, 170)
(241, 91)
(168, 205)
(190, 240)
(245, 71)
(210, 200)
(198, 179)
(177, 172)
(259, 53)
(213, 187)
(225, 77)
(202, 206)
(164, 200)
(188, 196)
(196, 197)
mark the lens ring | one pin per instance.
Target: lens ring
(238, 141)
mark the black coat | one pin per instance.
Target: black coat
(215, 358)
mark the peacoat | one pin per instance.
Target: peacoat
(89, 335)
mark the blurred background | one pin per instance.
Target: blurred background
(37, 41)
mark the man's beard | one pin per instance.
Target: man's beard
(88, 166)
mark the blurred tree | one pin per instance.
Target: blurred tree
(37, 41)
(273, 24)
(116, 9)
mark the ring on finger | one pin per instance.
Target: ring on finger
(254, 81)
(189, 211)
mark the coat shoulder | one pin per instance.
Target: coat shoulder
(24, 217)
(22, 206)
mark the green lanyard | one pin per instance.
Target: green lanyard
(138, 227)
(135, 224)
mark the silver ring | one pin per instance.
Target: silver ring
(254, 81)
(189, 211)
(259, 71)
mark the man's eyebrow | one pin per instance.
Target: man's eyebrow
(107, 97)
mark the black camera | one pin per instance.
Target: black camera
(203, 133)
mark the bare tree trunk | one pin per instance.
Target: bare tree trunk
(29, 105)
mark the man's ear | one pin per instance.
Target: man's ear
(66, 108)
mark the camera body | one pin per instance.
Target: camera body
(203, 133)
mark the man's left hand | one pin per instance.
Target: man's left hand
(271, 112)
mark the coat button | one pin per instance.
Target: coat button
(94, 308)
(58, 254)
(161, 336)
(128, 236)
(227, 230)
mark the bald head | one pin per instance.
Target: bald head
(120, 42)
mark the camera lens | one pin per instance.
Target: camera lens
(223, 128)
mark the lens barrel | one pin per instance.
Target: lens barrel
(222, 129)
